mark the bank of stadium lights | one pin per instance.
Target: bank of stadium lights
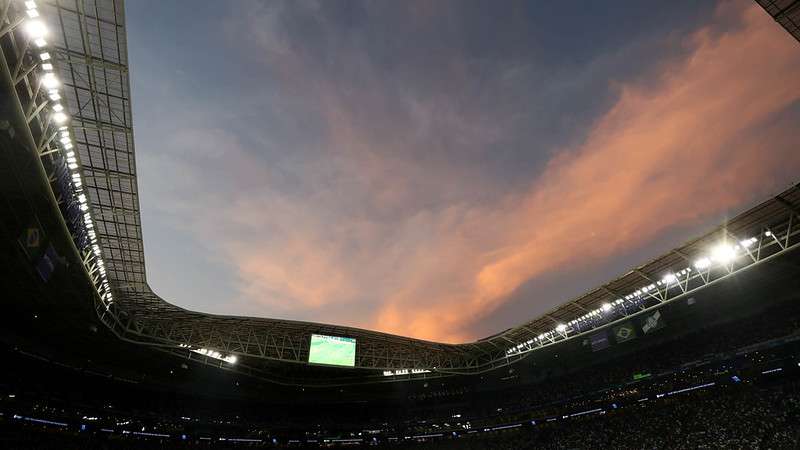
(722, 254)
(37, 31)
(230, 359)
(392, 373)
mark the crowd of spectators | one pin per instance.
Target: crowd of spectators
(732, 415)
(747, 417)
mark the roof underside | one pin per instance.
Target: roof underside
(786, 13)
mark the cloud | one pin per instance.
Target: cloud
(393, 222)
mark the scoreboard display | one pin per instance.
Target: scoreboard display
(332, 350)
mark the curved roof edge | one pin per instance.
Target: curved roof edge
(90, 54)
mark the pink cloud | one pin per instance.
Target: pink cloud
(383, 240)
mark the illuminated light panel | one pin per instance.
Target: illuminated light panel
(36, 29)
(723, 253)
(230, 359)
(50, 81)
(702, 263)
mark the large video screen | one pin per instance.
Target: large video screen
(332, 350)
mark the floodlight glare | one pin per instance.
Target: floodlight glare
(606, 307)
(50, 81)
(32, 13)
(561, 328)
(40, 42)
(702, 263)
(768, 233)
(36, 29)
(60, 117)
(669, 278)
(723, 253)
(44, 56)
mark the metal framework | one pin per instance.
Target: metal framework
(90, 55)
(786, 13)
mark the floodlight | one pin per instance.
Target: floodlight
(40, 42)
(60, 117)
(50, 81)
(44, 56)
(32, 13)
(702, 263)
(561, 328)
(36, 29)
(723, 253)
(768, 233)
(606, 307)
(58, 107)
(55, 97)
(30, 4)
(669, 278)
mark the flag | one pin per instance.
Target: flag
(624, 332)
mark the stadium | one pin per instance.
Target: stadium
(696, 347)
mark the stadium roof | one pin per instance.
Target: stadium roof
(786, 13)
(89, 51)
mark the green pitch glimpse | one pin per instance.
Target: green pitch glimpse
(332, 350)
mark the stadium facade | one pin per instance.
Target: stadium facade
(65, 69)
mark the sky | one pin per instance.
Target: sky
(444, 170)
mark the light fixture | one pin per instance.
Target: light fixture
(747, 243)
(50, 81)
(561, 328)
(44, 56)
(723, 253)
(702, 263)
(60, 117)
(669, 278)
(606, 307)
(36, 29)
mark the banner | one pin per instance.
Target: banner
(624, 332)
(653, 322)
(599, 341)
